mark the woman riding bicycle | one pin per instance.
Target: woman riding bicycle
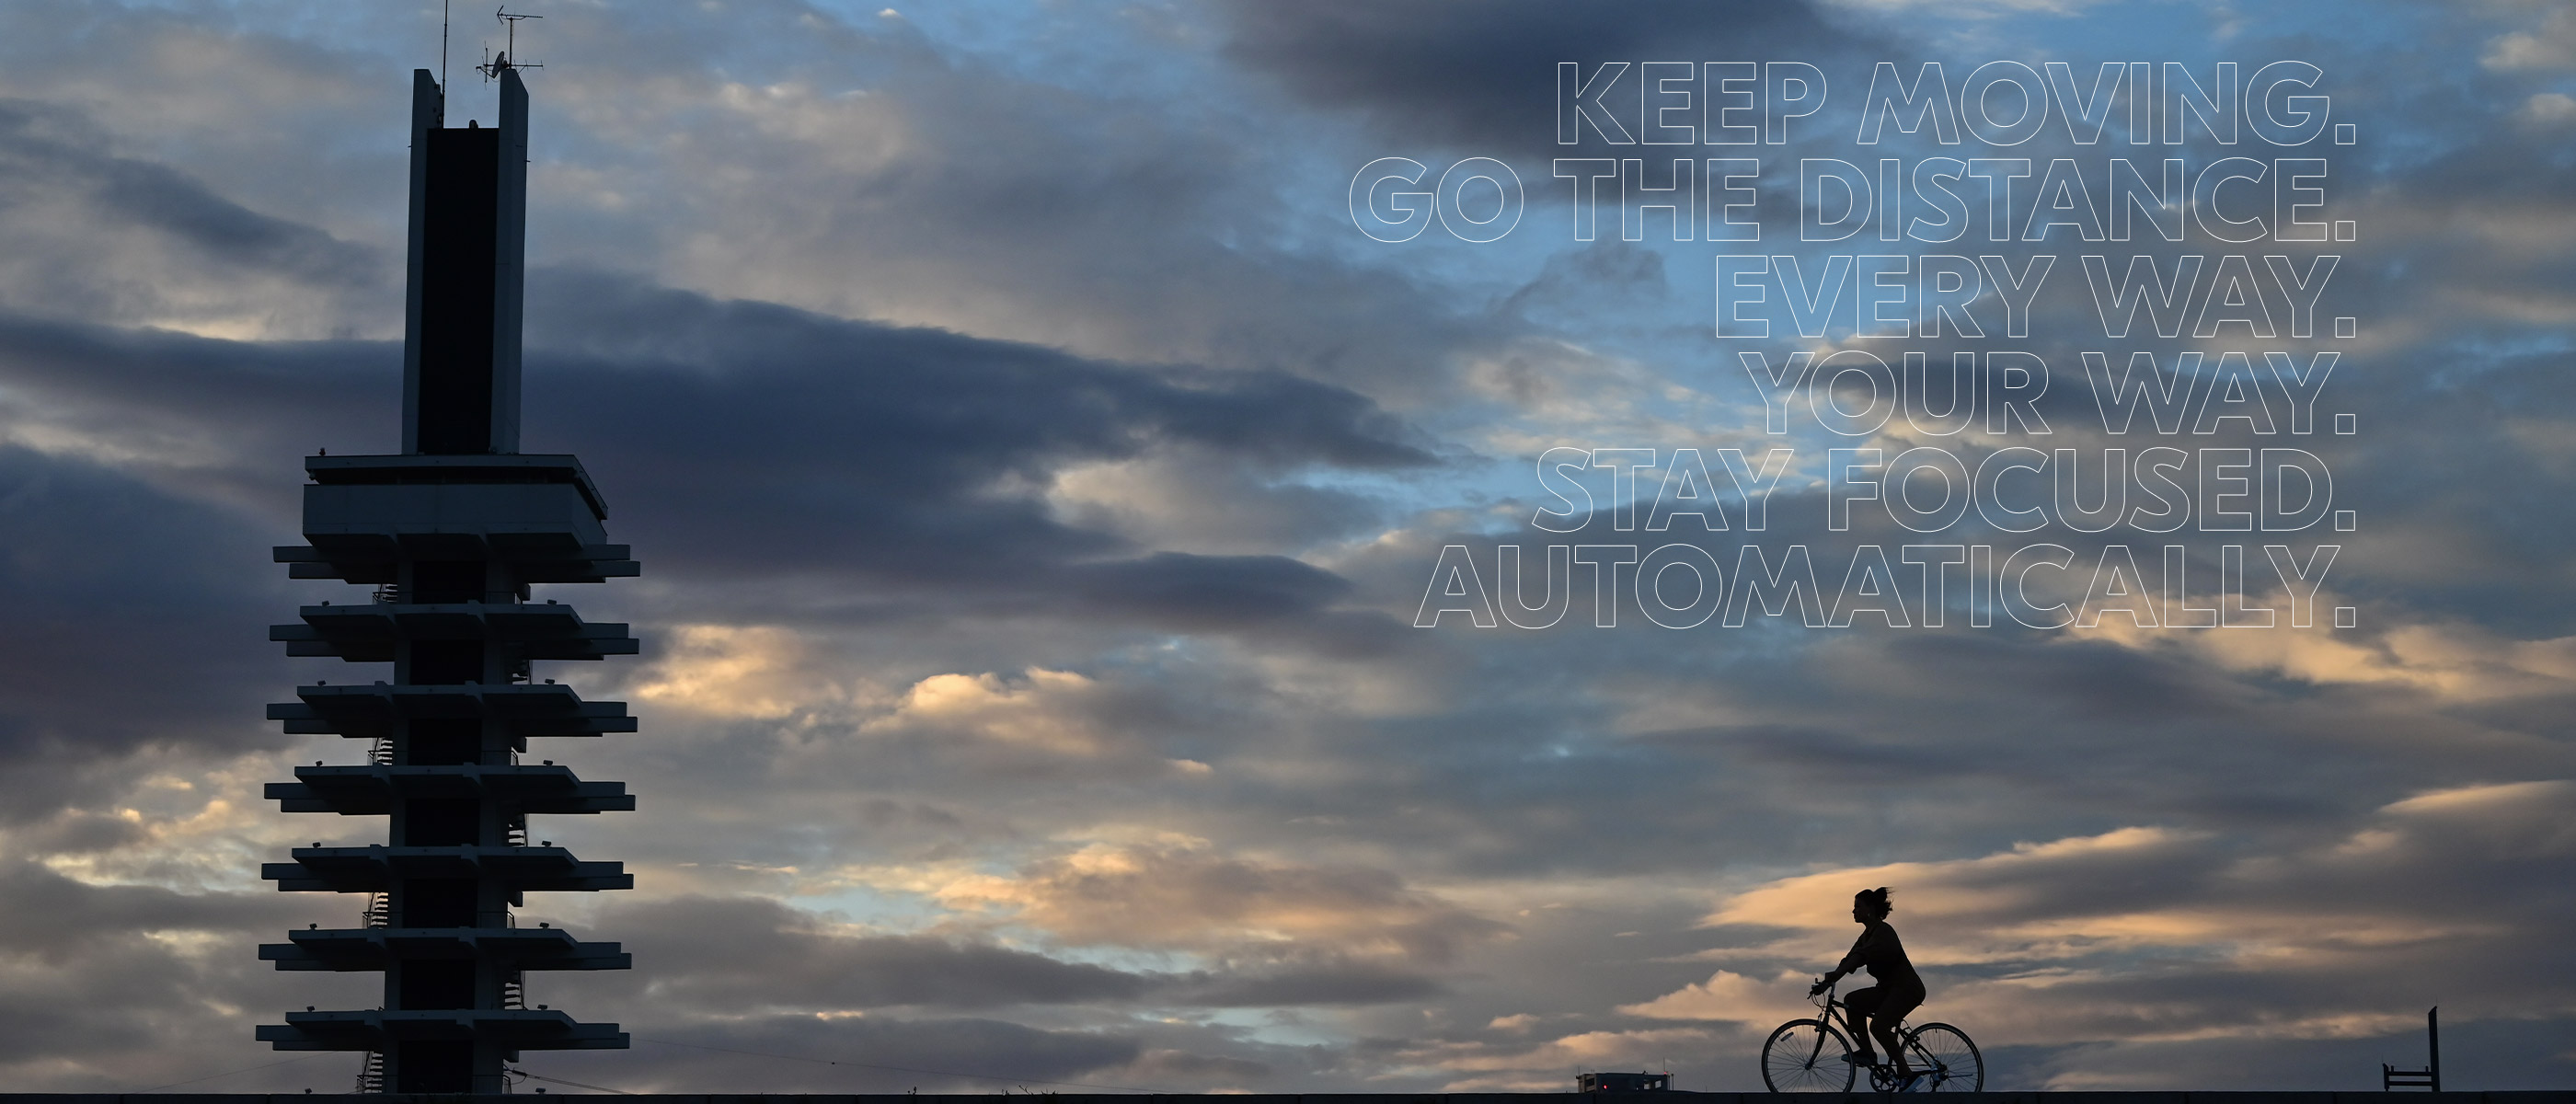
(1899, 989)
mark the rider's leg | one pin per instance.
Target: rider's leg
(1883, 1026)
(1857, 1006)
(1892, 1011)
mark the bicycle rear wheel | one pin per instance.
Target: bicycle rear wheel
(1806, 1056)
(1947, 1061)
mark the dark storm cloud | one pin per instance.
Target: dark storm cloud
(109, 971)
(1321, 983)
(91, 233)
(137, 597)
(722, 956)
(923, 386)
(1819, 753)
(745, 953)
(126, 626)
(764, 441)
(1480, 75)
(46, 149)
(176, 405)
(46, 914)
(1211, 591)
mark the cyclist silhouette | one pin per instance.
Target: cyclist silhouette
(1899, 990)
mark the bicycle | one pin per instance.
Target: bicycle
(1808, 1056)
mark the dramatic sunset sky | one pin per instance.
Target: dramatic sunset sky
(1037, 475)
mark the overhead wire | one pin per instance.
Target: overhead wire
(575, 1084)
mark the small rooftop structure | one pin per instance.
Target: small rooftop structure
(1622, 1082)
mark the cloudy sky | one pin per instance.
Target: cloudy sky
(1037, 475)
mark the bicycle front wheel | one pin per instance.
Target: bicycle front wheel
(1946, 1059)
(1806, 1056)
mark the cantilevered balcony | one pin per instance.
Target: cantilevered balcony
(367, 949)
(374, 710)
(386, 1029)
(375, 789)
(376, 868)
(368, 633)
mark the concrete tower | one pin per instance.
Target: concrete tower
(451, 533)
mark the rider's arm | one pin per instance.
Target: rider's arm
(1851, 961)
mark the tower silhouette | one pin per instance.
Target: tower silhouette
(451, 533)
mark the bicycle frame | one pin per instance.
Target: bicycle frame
(1836, 1012)
(1882, 1074)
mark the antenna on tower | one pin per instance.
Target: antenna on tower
(442, 64)
(492, 66)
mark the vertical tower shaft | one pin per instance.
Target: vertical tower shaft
(469, 217)
(452, 533)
